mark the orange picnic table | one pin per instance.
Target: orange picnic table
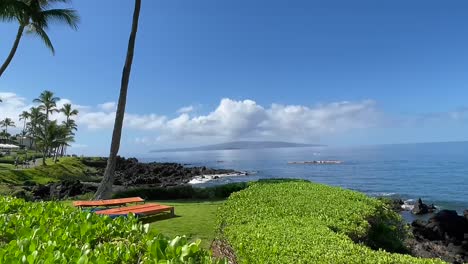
(123, 208)
(110, 202)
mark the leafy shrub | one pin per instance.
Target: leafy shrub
(50, 232)
(183, 192)
(23, 194)
(303, 222)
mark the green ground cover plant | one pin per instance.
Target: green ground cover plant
(52, 232)
(66, 168)
(304, 222)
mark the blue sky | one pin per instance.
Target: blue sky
(333, 72)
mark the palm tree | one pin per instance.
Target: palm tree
(57, 136)
(7, 122)
(36, 119)
(24, 116)
(35, 16)
(68, 111)
(105, 188)
(68, 123)
(4, 135)
(47, 103)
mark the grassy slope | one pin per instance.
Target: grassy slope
(5, 166)
(66, 168)
(193, 219)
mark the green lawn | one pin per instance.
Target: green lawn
(193, 219)
(6, 166)
(65, 168)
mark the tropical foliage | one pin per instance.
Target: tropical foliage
(45, 134)
(5, 123)
(35, 17)
(51, 232)
(303, 222)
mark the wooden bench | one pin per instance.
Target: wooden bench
(108, 203)
(142, 209)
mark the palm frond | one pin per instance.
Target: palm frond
(12, 10)
(45, 38)
(67, 16)
(47, 3)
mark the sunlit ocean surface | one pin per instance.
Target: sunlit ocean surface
(436, 172)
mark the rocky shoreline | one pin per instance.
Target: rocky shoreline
(129, 173)
(444, 235)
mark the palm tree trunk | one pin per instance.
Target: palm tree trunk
(62, 150)
(13, 50)
(55, 155)
(105, 188)
(23, 133)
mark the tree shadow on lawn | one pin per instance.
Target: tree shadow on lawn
(186, 201)
(158, 217)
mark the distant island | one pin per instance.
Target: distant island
(242, 145)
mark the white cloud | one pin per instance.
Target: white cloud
(11, 107)
(230, 120)
(96, 120)
(108, 106)
(186, 109)
(77, 145)
(248, 120)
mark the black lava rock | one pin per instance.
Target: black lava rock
(131, 172)
(422, 208)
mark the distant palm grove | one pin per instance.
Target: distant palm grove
(41, 132)
(46, 135)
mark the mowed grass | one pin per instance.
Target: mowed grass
(195, 219)
(65, 168)
(6, 166)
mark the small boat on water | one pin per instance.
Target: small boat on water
(317, 162)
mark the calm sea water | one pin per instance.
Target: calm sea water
(436, 172)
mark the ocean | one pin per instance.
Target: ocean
(435, 172)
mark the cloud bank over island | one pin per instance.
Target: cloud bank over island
(234, 120)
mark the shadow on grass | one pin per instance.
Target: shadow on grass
(155, 218)
(187, 201)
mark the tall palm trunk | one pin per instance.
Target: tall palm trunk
(105, 188)
(46, 146)
(24, 132)
(13, 49)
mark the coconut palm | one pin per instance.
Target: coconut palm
(57, 135)
(7, 122)
(47, 103)
(35, 16)
(68, 111)
(68, 123)
(36, 119)
(105, 188)
(24, 116)
(4, 135)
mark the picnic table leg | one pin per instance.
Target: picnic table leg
(172, 211)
